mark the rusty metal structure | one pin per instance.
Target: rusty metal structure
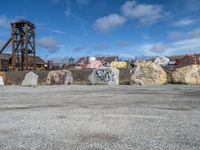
(23, 44)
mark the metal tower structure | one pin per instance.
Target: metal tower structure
(23, 44)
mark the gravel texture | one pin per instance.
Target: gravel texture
(100, 117)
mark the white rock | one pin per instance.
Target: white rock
(1, 81)
(105, 75)
(31, 79)
(162, 61)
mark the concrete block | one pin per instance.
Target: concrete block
(31, 79)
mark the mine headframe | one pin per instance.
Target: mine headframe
(23, 44)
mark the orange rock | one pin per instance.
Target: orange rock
(5, 77)
(187, 75)
(149, 73)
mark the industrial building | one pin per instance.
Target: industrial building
(6, 62)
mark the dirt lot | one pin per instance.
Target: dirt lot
(100, 117)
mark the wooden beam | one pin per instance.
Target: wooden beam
(13, 47)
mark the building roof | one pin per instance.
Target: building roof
(103, 59)
(82, 60)
(5, 56)
(108, 59)
(39, 60)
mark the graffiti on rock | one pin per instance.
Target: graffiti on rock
(105, 75)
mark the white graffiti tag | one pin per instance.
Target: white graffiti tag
(105, 75)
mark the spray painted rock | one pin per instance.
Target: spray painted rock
(31, 79)
(59, 77)
(105, 75)
(149, 73)
(187, 75)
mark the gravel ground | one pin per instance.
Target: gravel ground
(100, 117)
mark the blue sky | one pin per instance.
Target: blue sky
(125, 28)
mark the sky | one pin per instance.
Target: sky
(66, 28)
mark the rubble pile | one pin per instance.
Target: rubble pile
(149, 73)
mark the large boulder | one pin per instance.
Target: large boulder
(59, 77)
(1, 81)
(31, 79)
(105, 75)
(149, 73)
(187, 75)
(5, 77)
(162, 61)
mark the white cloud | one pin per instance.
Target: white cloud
(175, 36)
(159, 48)
(145, 49)
(184, 22)
(4, 22)
(146, 13)
(58, 31)
(194, 34)
(49, 43)
(188, 43)
(182, 46)
(53, 30)
(174, 48)
(107, 23)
